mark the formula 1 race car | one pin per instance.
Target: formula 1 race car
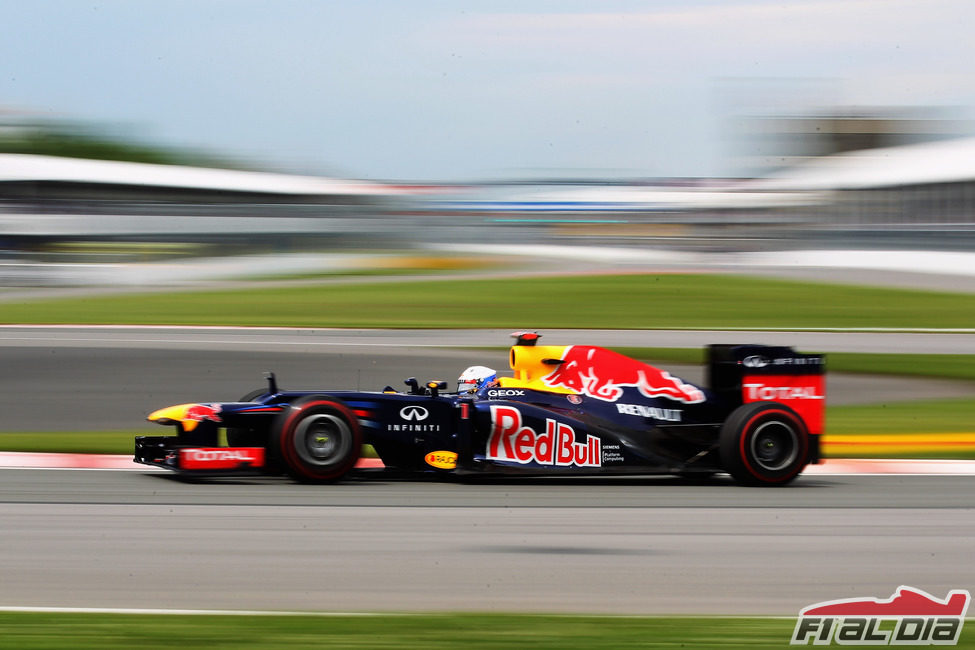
(566, 410)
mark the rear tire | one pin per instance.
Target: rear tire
(764, 443)
(316, 440)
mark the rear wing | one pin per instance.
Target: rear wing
(742, 374)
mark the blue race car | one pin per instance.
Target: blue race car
(565, 410)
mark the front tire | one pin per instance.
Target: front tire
(317, 440)
(764, 443)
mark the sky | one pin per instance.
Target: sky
(458, 91)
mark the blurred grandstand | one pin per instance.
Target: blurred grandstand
(915, 194)
(918, 196)
(852, 178)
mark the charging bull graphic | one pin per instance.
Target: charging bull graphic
(604, 374)
(188, 415)
(201, 412)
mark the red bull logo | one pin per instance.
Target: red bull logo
(189, 415)
(604, 374)
(201, 412)
(512, 441)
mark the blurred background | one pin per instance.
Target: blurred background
(177, 142)
(214, 143)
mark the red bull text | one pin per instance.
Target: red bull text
(511, 441)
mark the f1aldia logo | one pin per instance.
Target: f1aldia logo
(413, 413)
(909, 617)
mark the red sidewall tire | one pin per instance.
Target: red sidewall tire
(294, 428)
(770, 422)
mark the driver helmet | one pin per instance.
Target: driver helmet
(475, 377)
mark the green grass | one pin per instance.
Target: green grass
(33, 631)
(940, 366)
(76, 442)
(603, 301)
(924, 416)
(927, 416)
(935, 366)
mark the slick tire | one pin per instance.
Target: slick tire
(253, 395)
(316, 440)
(245, 437)
(764, 443)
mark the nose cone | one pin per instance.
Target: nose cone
(170, 414)
(189, 415)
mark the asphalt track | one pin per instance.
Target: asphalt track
(651, 546)
(140, 539)
(110, 378)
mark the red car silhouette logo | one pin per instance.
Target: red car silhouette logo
(909, 617)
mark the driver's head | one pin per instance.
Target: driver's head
(475, 377)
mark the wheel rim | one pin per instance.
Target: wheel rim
(322, 439)
(775, 446)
